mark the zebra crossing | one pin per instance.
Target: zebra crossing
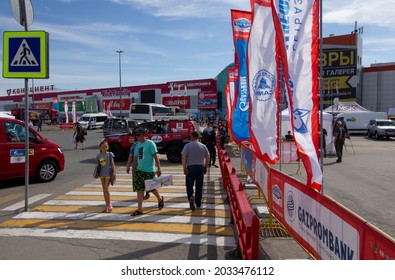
(77, 214)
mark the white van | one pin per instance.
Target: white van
(145, 112)
(93, 120)
(357, 122)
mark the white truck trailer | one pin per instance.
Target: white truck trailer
(357, 121)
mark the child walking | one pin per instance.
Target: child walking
(107, 172)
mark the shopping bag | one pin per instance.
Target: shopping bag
(112, 178)
(96, 171)
(158, 182)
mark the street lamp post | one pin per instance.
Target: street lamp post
(120, 83)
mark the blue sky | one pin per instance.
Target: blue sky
(167, 40)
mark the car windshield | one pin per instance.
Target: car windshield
(385, 123)
(84, 119)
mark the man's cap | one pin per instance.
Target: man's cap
(140, 130)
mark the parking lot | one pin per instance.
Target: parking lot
(363, 182)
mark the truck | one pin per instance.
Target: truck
(357, 121)
(48, 116)
(170, 137)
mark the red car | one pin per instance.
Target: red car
(46, 158)
(170, 137)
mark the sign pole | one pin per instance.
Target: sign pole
(22, 7)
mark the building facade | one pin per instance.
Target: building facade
(198, 97)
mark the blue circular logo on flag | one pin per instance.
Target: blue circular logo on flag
(263, 85)
(242, 24)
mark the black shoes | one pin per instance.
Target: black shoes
(338, 160)
(192, 203)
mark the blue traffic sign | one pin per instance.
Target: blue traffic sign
(25, 54)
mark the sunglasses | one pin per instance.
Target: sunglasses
(139, 134)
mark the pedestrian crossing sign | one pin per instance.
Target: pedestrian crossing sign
(25, 54)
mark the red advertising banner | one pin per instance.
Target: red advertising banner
(182, 101)
(325, 228)
(206, 84)
(42, 105)
(113, 104)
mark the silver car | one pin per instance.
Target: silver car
(118, 126)
(381, 128)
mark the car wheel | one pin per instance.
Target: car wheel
(377, 135)
(47, 171)
(117, 151)
(173, 153)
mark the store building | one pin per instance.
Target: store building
(198, 97)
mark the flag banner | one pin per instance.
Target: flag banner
(231, 92)
(66, 110)
(233, 78)
(241, 25)
(299, 21)
(264, 73)
(109, 113)
(227, 100)
(74, 111)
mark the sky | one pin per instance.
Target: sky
(167, 40)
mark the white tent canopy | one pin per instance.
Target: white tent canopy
(340, 107)
(327, 124)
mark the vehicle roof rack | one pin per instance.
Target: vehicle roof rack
(172, 117)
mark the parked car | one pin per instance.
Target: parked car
(118, 126)
(357, 121)
(170, 137)
(381, 128)
(46, 158)
(93, 120)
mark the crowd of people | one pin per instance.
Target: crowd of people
(143, 164)
(197, 156)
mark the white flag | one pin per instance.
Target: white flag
(263, 72)
(300, 24)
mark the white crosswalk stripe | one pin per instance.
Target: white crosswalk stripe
(77, 214)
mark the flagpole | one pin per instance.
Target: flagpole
(321, 100)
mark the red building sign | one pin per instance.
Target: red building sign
(182, 101)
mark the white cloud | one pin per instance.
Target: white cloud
(378, 12)
(187, 9)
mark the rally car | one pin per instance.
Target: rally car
(170, 137)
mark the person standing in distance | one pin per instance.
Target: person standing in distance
(79, 135)
(145, 158)
(339, 137)
(195, 161)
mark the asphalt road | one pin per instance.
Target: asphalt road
(364, 182)
(78, 172)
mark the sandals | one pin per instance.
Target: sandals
(161, 204)
(108, 209)
(136, 213)
(147, 195)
